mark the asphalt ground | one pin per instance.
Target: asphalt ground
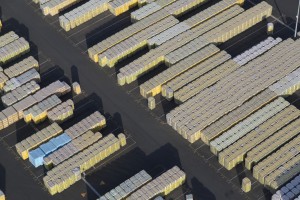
(153, 145)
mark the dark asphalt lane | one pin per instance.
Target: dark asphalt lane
(149, 133)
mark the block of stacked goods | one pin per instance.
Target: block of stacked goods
(191, 22)
(2, 195)
(289, 191)
(223, 97)
(247, 125)
(36, 156)
(23, 105)
(94, 122)
(279, 167)
(271, 144)
(19, 93)
(37, 139)
(127, 187)
(287, 85)
(162, 185)
(3, 79)
(144, 11)
(168, 34)
(11, 115)
(138, 41)
(151, 103)
(125, 33)
(58, 88)
(185, 51)
(210, 12)
(76, 88)
(153, 86)
(118, 7)
(76, 145)
(8, 38)
(61, 112)
(39, 111)
(182, 6)
(156, 56)
(15, 82)
(62, 176)
(21, 67)
(246, 184)
(53, 7)
(236, 153)
(201, 70)
(82, 14)
(14, 49)
(240, 23)
(256, 50)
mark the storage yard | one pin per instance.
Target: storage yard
(149, 99)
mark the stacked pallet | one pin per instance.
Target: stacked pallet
(168, 34)
(61, 112)
(94, 122)
(193, 73)
(153, 86)
(95, 50)
(268, 146)
(144, 11)
(53, 7)
(256, 50)
(129, 46)
(118, 7)
(14, 49)
(229, 120)
(67, 173)
(287, 85)
(279, 167)
(83, 14)
(39, 111)
(233, 90)
(36, 157)
(19, 93)
(235, 153)
(180, 7)
(8, 38)
(71, 149)
(3, 79)
(204, 81)
(289, 191)
(15, 82)
(247, 125)
(156, 56)
(191, 22)
(37, 139)
(21, 67)
(164, 184)
(127, 187)
(58, 88)
(240, 23)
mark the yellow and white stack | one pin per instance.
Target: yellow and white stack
(63, 176)
(14, 49)
(94, 122)
(13, 83)
(8, 38)
(162, 185)
(2, 195)
(21, 67)
(19, 93)
(37, 139)
(76, 88)
(53, 7)
(39, 112)
(82, 14)
(118, 7)
(72, 148)
(61, 112)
